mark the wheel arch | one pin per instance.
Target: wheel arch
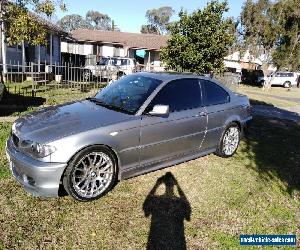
(234, 119)
(110, 148)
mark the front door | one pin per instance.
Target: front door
(182, 131)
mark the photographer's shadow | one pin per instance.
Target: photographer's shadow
(168, 212)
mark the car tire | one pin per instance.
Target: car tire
(287, 84)
(231, 136)
(91, 173)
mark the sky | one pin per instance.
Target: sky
(129, 15)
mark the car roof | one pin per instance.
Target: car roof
(169, 76)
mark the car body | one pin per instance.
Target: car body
(2, 89)
(285, 79)
(164, 119)
(111, 68)
(252, 77)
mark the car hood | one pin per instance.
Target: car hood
(55, 122)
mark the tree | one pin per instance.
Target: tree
(149, 29)
(287, 53)
(199, 41)
(22, 24)
(93, 20)
(271, 31)
(98, 21)
(261, 29)
(158, 20)
(73, 22)
(114, 27)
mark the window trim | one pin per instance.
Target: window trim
(169, 82)
(202, 91)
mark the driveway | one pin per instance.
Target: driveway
(271, 111)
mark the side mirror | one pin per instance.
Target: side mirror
(160, 110)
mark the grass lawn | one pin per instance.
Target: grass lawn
(257, 93)
(20, 102)
(254, 192)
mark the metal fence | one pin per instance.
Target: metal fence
(33, 78)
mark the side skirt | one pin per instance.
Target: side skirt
(136, 171)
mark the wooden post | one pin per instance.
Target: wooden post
(23, 57)
(51, 49)
(39, 58)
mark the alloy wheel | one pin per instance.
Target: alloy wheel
(92, 175)
(231, 141)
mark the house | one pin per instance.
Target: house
(86, 46)
(236, 62)
(23, 54)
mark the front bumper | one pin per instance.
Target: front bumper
(38, 178)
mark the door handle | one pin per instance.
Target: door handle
(203, 113)
(200, 114)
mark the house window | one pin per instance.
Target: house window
(15, 47)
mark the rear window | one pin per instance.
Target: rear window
(213, 94)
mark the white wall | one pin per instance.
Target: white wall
(78, 49)
(88, 49)
(154, 58)
(107, 51)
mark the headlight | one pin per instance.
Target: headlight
(36, 149)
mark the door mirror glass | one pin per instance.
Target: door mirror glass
(160, 110)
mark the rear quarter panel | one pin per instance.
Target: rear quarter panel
(220, 116)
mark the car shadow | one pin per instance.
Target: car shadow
(272, 148)
(168, 212)
(268, 110)
(15, 103)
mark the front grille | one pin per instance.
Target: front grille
(15, 140)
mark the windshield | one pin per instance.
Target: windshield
(103, 61)
(128, 93)
(119, 62)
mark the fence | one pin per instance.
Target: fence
(34, 79)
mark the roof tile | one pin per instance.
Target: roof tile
(132, 40)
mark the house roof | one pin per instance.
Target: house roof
(132, 40)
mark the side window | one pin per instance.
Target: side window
(180, 95)
(213, 94)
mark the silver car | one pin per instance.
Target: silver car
(138, 124)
